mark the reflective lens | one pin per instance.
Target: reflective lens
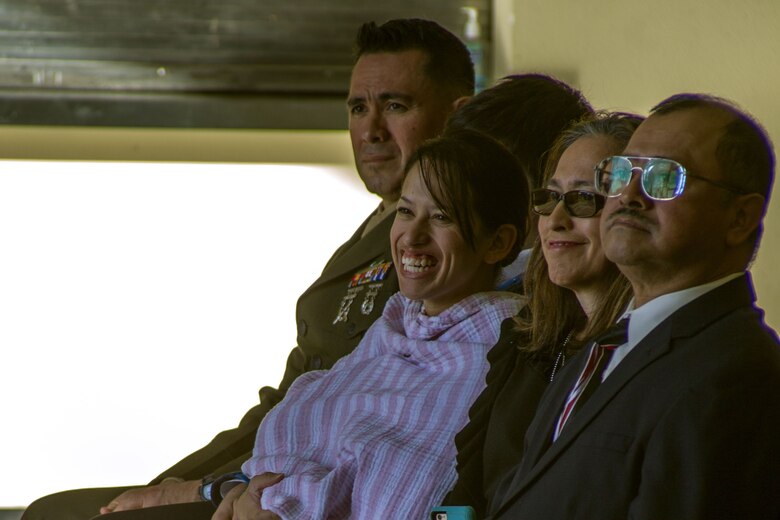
(577, 203)
(661, 179)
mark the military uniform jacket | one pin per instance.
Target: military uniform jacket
(332, 316)
(685, 427)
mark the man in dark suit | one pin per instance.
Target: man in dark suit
(684, 419)
(408, 77)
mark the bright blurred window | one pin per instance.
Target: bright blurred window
(142, 305)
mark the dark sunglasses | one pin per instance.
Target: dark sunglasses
(577, 203)
(661, 179)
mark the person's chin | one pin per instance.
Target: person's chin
(622, 251)
(380, 166)
(412, 291)
(414, 288)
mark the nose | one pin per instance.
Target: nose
(376, 128)
(633, 195)
(559, 219)
(416, 232)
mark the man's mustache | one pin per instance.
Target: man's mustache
(632, 214)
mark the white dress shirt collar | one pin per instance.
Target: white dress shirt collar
(647, 317)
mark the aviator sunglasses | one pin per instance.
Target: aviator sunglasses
(661, 179)
(577, 203)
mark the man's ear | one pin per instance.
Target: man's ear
(460, 102)
(747, 212)
(504, 239)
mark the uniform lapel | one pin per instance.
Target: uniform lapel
(357, 251)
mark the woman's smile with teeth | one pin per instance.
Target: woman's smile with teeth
(417, 263)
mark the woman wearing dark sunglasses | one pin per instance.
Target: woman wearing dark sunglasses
(574, 294)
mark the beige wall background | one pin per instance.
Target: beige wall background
(631, 54)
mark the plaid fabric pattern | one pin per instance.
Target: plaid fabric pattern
(374, 436)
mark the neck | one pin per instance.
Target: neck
(387, 204)
(384, 208)
(589, 299)
(483, 282)
(649, 286)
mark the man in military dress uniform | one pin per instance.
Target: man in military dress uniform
(408, 77)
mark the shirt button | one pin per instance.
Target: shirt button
(303, 328)
(315, 362)
(351, 328)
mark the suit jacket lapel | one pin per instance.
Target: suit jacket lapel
(684, 322)
(541, 451)
(653, 346)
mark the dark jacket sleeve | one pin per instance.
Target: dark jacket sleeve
(492, 442)
(470, 441)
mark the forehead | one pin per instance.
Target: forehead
(575, 167)
(401, 72)
(688, 136)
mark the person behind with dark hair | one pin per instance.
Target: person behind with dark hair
(682, 421)
(574, 293)
(400, 94)
(373, 436)
(525, 112)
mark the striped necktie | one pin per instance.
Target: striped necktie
(600, 353)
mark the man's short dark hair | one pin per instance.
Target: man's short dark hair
(526, 112)
(449, 62)
(744, 151)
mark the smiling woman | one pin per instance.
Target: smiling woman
(345, 439)
(574, 293)
(450, 234)
(570, 240)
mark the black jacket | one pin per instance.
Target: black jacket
(492, 443)
(686, 426)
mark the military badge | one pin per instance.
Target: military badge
(371, 278)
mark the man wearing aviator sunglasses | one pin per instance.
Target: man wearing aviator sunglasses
(685, 417)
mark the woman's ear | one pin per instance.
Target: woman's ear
(504, 239)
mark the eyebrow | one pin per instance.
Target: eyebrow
(579, 184)
(574, 184)
(383, 97)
